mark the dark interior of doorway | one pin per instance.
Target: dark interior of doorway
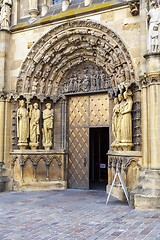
(98, 162)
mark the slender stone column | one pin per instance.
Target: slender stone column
(151, 129)
(33, 9)
(145, 146)
(154, 96)
(2, 126)
(4, 50)
(44, 8)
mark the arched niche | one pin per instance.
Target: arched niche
(69, 45)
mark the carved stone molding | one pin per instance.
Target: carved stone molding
(35, 157)
(148, 79)
(122, 163)
(67, 46)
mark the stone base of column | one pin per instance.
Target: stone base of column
(33, 13)
(147, 195)
(5, 181)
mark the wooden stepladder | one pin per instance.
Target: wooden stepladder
(123, 187)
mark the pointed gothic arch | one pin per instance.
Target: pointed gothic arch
(67, 46)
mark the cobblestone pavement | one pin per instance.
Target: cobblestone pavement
(73, 214)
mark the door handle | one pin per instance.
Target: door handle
(84, 162)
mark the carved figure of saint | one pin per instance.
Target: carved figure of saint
(79, 84)
(34, 115)
(47, 124)
(103, 77)
(85, 84)
(75, 83)
(70, 85)
(5, 13)
(34, 86)
(42, 86)
(22, 123)
(154, 39)
(49, 88)
(115, 118)
(27, 85)
(120, 116)
(154, 21)
(126, 125)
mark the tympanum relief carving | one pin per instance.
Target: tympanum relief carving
(85, 77)
(68, 46)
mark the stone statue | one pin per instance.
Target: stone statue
(115, 119)
(119, 122)
(85, 84)
(5, 14)
(153, 21)
(122, 122)
(47, 126)
(34, 115)
(22, 125)
(27, 85)
(70, 85)
(126, 124)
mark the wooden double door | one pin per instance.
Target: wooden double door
(85, 112)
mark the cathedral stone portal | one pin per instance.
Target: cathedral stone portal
(66, 124)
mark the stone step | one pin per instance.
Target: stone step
(151, 173)
(5, 180)
(5, 184)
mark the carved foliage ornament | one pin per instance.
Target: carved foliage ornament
(69, 45)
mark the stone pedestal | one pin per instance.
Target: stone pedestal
(128, 163)
(147, 195)
(33, 146)
(33, 13)
(39, 169)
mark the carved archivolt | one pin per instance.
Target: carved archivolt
(69, 45)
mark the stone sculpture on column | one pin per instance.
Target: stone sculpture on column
(22, 125)
(126, 125)
(5, 14)
(122, 122)
(119, 124)
(47, 126)
(115, 119)
(153, 31)
(34, 115)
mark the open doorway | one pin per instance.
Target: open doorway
(98, 162)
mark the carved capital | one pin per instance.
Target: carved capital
(151, 78)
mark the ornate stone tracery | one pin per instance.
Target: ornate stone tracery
(69, 45)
